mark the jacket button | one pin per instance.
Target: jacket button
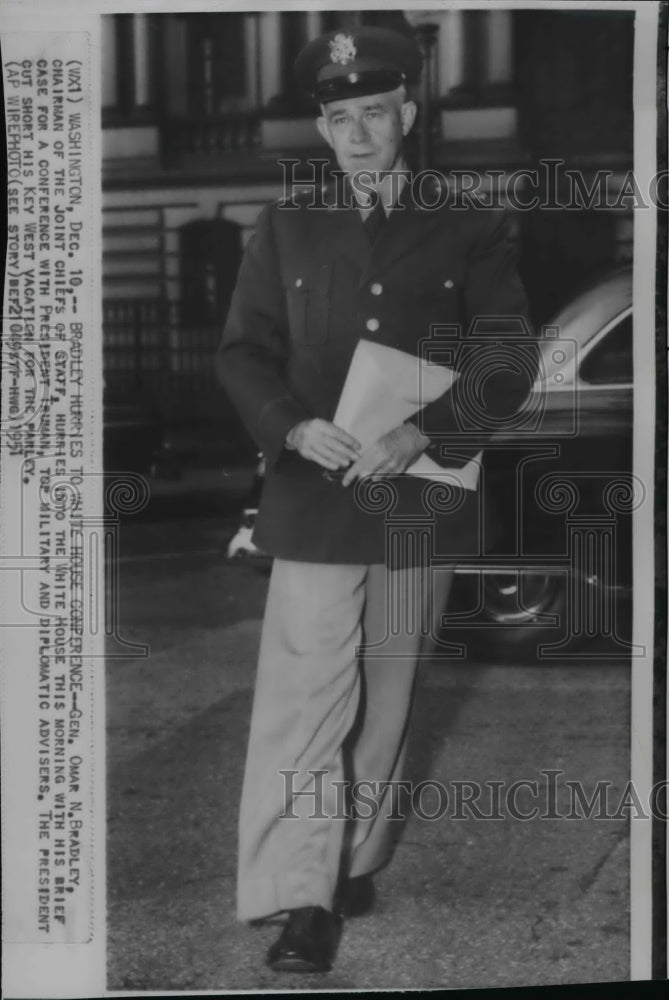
(376, 288)
(448, 284)
(372, 324)
(298, 283)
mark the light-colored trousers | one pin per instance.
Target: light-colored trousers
(330, 634)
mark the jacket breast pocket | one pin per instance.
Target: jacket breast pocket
(308, 302)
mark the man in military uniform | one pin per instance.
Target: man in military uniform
(336, 668)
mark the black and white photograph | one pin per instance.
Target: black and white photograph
(335, 354)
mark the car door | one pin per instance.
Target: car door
(587, 423)
(605, 395)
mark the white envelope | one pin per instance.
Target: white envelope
(383, 388)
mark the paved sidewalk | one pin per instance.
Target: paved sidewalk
(465, 903)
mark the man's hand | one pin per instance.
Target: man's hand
(323, 442)
(390, 455)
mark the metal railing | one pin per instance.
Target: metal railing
(145, 349)
(237, 132)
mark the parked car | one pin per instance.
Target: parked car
(567, 489)
(241, 544)
(532, 584)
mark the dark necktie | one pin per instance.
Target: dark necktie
(375, 222)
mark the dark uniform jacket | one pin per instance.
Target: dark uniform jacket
(310, 286)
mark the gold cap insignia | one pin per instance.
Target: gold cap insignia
(342, 49)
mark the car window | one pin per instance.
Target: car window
(610, 362)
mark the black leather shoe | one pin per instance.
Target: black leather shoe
(355, 896)
(307, 942)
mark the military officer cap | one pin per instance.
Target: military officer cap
(367, 60)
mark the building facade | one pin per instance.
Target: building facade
(199, 108)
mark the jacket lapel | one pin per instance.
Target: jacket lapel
(348, 235)
(406, 228)
(340, 229)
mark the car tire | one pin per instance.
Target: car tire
(512, 618)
